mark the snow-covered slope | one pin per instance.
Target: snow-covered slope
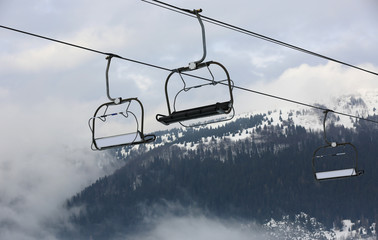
(362, 104)
(302, 226)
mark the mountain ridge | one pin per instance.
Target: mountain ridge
(310, 119)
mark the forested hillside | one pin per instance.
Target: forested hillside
(265, 174)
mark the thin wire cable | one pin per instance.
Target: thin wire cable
(167, 69)
(304, 104)
(253, 34)
(84, 48)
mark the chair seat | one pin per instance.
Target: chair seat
(198, 112)
(336, 174)
(123, 139)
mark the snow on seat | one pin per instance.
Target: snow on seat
(123, 139)
(336, 174)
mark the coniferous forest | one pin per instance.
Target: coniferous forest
(266, 175)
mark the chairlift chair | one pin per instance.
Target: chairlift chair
(335, 160)
(104, 142)
(197, 112)
(202, 111)
(109, 141)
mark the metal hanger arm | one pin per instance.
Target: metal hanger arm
(115, 100)
(193, 65)
(333, 144)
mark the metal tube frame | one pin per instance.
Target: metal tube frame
(93, 128)
(334, 145)
(205, 64)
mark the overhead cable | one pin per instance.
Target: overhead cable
(167, 69)
(253, 34)
(82, 47)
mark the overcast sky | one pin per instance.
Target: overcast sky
(49, 91)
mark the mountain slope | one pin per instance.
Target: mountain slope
(256, 167)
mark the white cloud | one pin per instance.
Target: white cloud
(53, 56)
(197, 226)
(143, 82)
(263, 61)
(306, 84)
(4, 93)
(314, 84)
(45, 158)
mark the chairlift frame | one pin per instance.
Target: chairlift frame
(138, 137)
(101, 143)
(202, 111)
(334, 174)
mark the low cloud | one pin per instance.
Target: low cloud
(197, 227)
(173, 221)
(309, 84)
(45, 159)
(170, 220)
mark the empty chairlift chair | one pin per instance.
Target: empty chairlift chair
(100, 142)
(208, 110)
(335, 160)
(105, 115)
(224, 107)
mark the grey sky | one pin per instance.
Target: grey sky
(49, 91)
